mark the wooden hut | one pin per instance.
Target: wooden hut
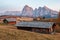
(43, 27)
(10, 20)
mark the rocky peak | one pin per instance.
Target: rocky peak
(27, 8)
(28, 11)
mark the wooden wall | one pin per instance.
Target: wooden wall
(13, 22)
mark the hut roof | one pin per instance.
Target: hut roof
(35, 24)
(10, 19)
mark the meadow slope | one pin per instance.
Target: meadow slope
(11, 33)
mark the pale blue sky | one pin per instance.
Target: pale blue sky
(19, 4)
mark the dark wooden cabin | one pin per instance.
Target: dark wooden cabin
(42, 27)
(10, 20)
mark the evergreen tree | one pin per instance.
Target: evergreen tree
(5, 21)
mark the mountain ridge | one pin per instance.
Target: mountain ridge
(28, 11)
(38, 12)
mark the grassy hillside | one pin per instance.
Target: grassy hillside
(9, 32)
(14, 34)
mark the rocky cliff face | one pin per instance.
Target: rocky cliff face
(38, 12)
(27, 11)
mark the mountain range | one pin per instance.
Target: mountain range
(37, 12)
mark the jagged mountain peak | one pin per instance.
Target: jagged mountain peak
(41, 11)
(27, 8)
(27, 11)
(39, 7)
(46, 8)
(37, 12)
(35, 9)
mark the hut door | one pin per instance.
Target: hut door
(53, 27)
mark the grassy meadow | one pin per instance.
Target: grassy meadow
(9, 32)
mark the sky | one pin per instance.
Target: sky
(17, 5)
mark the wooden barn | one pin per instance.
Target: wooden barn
(42, 27)
(10, 20)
